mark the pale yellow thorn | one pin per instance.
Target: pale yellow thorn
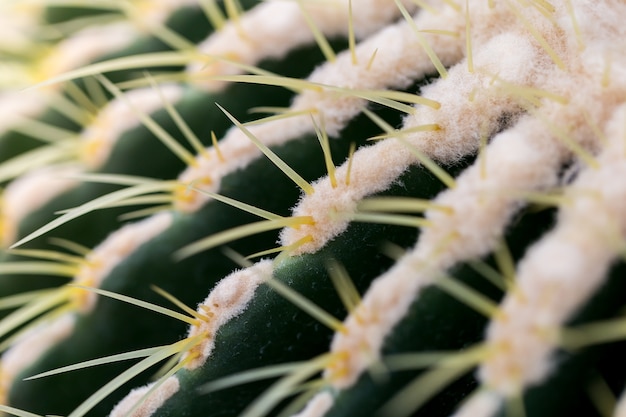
(404, 132)
(568, 141)
(400, 96)
(236, 257)
(429, 383)
(489, 273)
(49, 255)
(401, 204)
(290, 172)
(269, 109)
(322, 137)
(344, 285)
(172, 299)
(139, 303)
(239, 204)
(589, 334)
(351, 36)
(443, 32)
(350, 160)
(216, 146)
(606, 74)
(165, 138)
(545, 5)
(321, 40)
(92, 205)
(31, 311)
(601, 396)
(287, 249)
(141, 61)
(428, 163)
(238, 233)
(535, 33)
(159, 30)
(17, 300)
(443, 73)
(515, 406)
(96, 93)
(45, 132)
(142, 353)
(280, 116)
(234, 11)
(505, 263)
(453, 4)
(575, 25)
(425, 6)
(162, 78)
(147, 212)
(136, 369)
(307, 306)
(284, 387)
(213, 13)
(468, 39)
(234, 380)
(482, 156)
(370, 62)
(416, 360)
(390, 219)
(69, 245)
(17, 412)
(189, 135)
(552, 199)
(80, 108)
(467, 295)
(38, 267)
(294, 84)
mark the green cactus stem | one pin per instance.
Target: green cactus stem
(312, 208)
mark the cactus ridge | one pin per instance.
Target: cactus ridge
(462, 259)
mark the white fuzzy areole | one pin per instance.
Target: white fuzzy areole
(30, 347)
(523, 335)
(525, 157)
(18, 24)
(30, 192)
(99, 138)
(112, 251)
(85, 46)
(18, 106)
(155, 400)
(462, 121)
(471, 103)
(317, 406)
(228, 299)
(406, 59)
(152, 13)
(79, 49)
(480, 209)
(260, 33)
(481, 404)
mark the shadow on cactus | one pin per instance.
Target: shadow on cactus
(336, 208)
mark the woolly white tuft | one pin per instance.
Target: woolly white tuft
(229, 298)
(112, 251)
(31, 192)
(150, 404)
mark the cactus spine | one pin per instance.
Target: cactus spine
(443, 179)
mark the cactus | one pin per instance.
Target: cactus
(313, 208)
